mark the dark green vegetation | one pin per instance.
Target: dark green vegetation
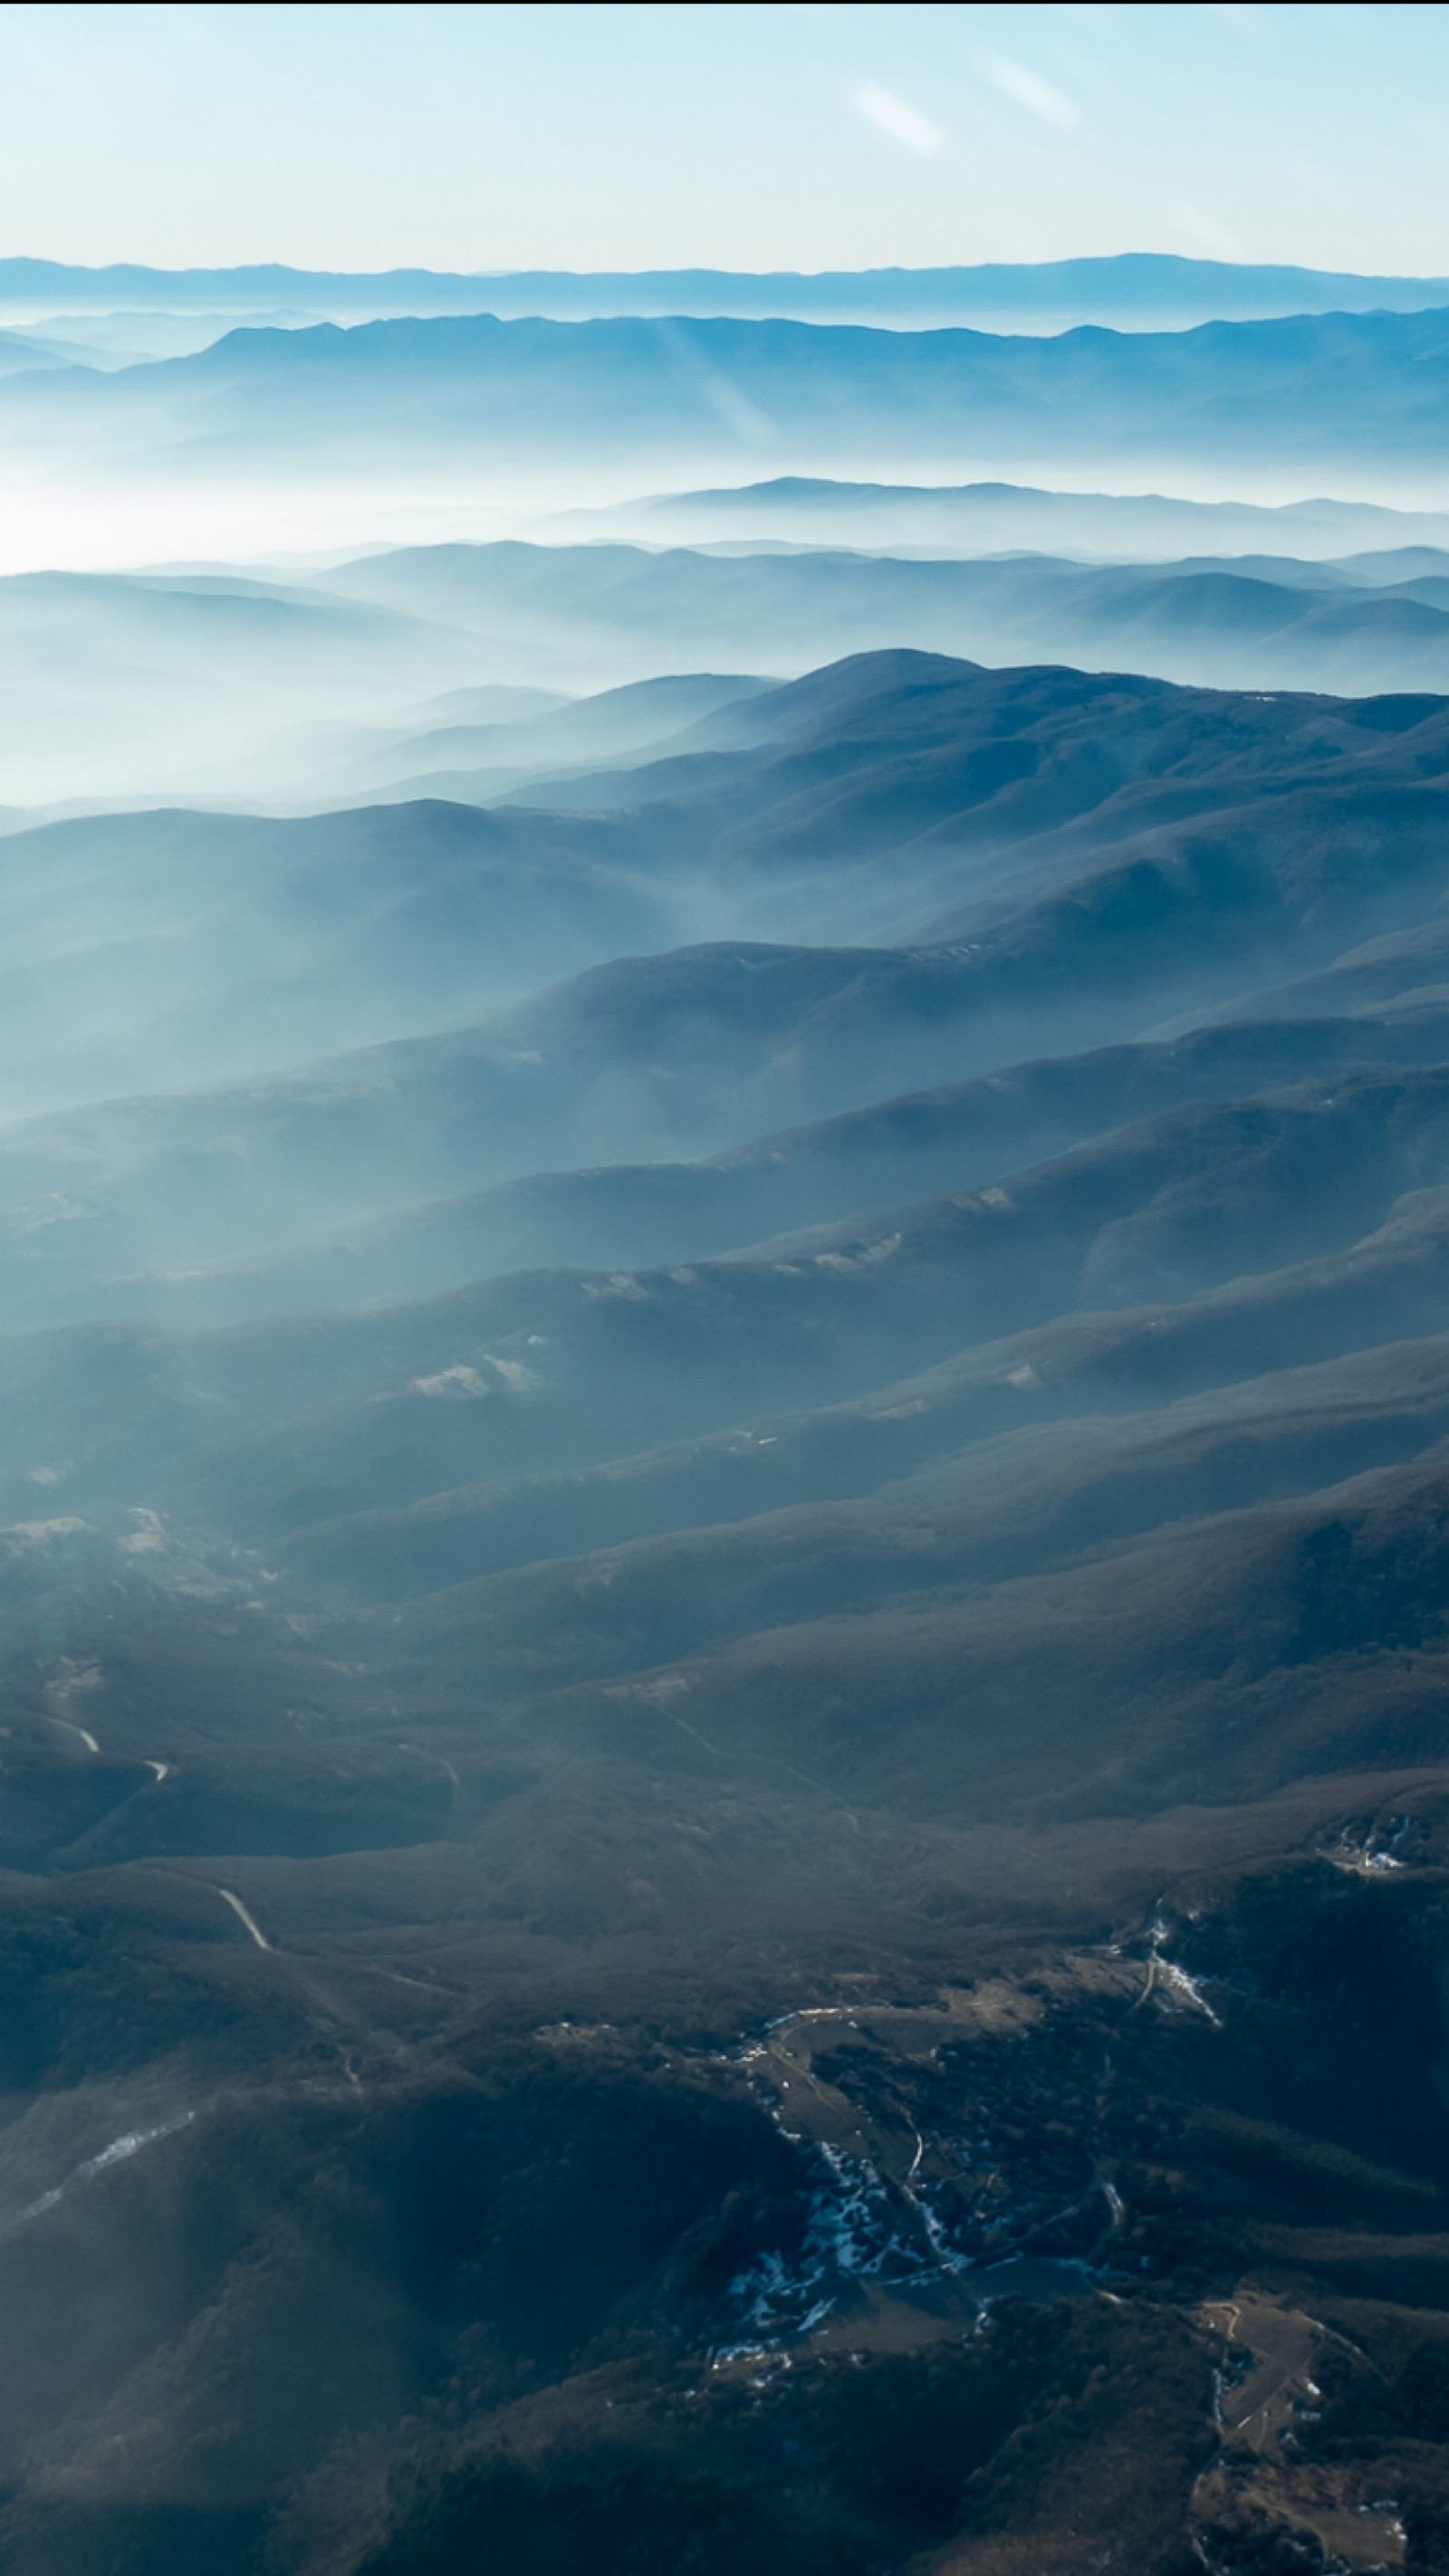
(724, 1792)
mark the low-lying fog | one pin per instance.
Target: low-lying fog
(440, 670)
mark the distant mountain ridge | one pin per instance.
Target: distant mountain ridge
(994, 518)
(1143, 289)
(1321, 397)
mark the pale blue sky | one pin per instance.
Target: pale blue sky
(750, 137)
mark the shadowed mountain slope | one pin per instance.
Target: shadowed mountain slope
(1391, 1283)
(272, 1425)
(765, 1873)
(959, 1137)
(1127, 852)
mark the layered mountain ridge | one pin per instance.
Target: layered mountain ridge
(724, 1453)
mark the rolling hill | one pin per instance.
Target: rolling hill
(724, 1799)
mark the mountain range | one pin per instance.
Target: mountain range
(724, 1432)
(875, 1560)
(1134, 290)
(1324, 396)
(447, 670)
